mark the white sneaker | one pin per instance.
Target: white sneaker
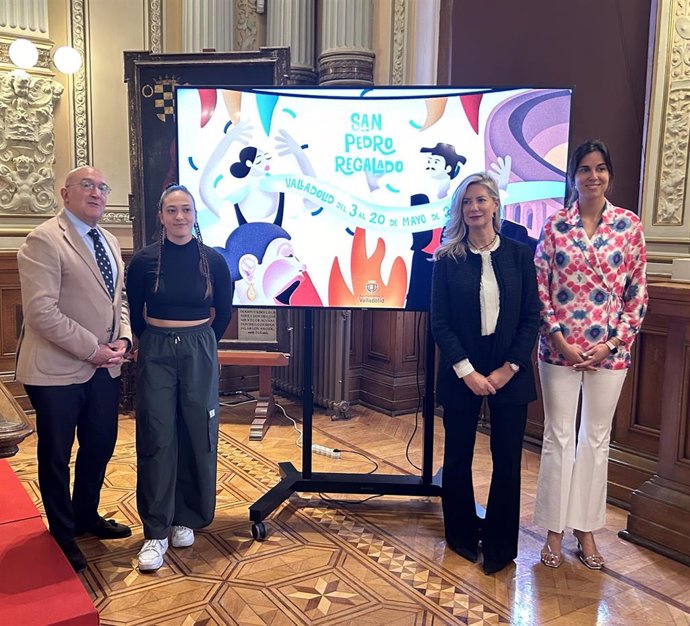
(151, 554)
(182, 537)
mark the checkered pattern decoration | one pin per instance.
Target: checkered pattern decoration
(103, 261)
(164, 101)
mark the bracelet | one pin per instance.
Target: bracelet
(611, 346)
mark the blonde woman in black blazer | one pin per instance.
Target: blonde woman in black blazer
(484, 317)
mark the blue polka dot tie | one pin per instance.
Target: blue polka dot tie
(103, 262)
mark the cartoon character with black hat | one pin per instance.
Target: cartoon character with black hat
(443, 164)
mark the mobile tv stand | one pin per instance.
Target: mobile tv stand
(327, 482)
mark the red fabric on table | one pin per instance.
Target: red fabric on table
(15, 503)
(38, 586)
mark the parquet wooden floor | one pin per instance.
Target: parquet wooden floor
(379, 562)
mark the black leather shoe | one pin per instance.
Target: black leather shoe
(491, 567)
(74, 555)
(106, 529)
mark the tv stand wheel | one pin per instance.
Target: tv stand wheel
(259, 531)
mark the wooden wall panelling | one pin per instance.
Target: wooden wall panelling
(11, 310)
(636, 425)
(660, 509)
(392, 360)
(356, 351)
(10, 324)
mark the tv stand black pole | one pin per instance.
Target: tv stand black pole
(327, 482)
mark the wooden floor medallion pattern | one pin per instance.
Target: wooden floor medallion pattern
(379, 562)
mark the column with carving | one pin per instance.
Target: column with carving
(291, 23)
(207, 24)
(27, 101)
(666, 188)
(347, 57)
(27, 154)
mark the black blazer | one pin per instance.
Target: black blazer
(456, 322)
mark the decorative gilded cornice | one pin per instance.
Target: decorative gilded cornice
(80, 85)
(398, 48)
(27, 143)
(116, 217)
(672, 182)
(155, 26)
(246, 25)
(42, 65)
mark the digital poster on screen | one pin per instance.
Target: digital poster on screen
(338, 197)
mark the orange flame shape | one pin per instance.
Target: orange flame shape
(368, 287)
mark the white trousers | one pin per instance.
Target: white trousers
(571, 491)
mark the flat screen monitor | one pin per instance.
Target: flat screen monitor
(327, 197)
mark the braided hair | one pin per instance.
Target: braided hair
(203, 258)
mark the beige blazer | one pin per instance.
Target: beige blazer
(67, 307)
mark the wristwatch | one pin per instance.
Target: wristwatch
(514, 366)
(611, 346)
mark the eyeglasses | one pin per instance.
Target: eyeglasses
(89, 185)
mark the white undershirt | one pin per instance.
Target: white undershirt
(489, 302)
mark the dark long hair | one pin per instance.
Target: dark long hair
(585, 148)
(203, 259)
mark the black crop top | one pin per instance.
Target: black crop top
(181, 288)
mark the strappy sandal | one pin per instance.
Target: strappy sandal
(549, 557)
(591, 561)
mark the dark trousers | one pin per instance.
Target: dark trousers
(499, 530)
(177, 428)
(90, 409)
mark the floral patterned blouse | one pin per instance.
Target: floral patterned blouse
(591, 290)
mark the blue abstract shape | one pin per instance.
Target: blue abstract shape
(615, 259)
(190, 160)
(290, 112)
(392, 189)
(562, 258)
(564, 295)
(594, 332)
(598, 296)
(266, 103)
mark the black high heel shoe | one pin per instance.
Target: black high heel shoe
(465, 553)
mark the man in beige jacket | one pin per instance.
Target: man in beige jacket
(75, 335)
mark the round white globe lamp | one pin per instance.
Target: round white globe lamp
(67, 59)
(23, 53)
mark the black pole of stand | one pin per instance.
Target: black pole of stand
(428, 407)
(328, 482)
(307, 393)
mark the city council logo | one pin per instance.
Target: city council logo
(372, 286)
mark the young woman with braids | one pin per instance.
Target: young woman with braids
(171, 287)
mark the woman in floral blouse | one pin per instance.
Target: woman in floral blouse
(591, 264)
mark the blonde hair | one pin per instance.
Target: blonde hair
(455, 233)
